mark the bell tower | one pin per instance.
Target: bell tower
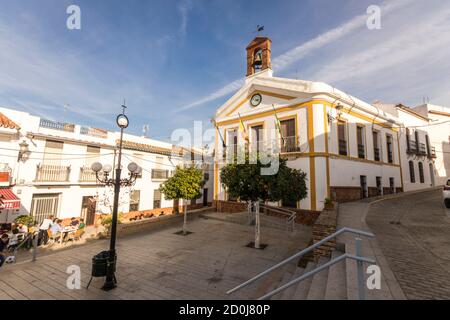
(258, 55)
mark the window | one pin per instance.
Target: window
(360, 140)
(364, 188)
(342, 136)
(412, 176)
(232, 143)
(392, 184)
(134, 200)
(156, 199)
(44, 205)
(389, 148)
(257, 138)
(289, 140)
(376, 146)
(421, 175)
(52, 153)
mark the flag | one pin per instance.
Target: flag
(278, 126)
(242, 129)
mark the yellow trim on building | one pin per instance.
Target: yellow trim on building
(327, 160)
(312, 160)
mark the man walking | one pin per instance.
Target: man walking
(43, 230)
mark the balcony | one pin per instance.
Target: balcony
(52, 173)
(49, 124)
(376, 154)
(361, 151)
(87, 175)
(158, 174)
(289, 144)
(412, 149)
(432, 154)
(343, 147)
(422, 149)
(94, 132)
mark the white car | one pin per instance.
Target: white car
(446, 194)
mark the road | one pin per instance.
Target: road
(413, 232)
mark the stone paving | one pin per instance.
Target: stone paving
(413, 232)
(159, 265)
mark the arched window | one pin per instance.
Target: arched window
(421, 175)
(412, 176)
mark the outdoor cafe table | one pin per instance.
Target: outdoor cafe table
(66, 231)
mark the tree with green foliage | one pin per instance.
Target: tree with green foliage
(186, 184)
(246, 182)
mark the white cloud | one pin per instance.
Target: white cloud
(184, 8)
(285, 60)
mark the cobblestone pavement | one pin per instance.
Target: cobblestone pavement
(414, 234)
(159, 265)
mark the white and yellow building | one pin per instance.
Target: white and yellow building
(348, 148)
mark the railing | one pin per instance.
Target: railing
(160, 174)
(422, 149)
(357, 257)
(290, 215)
(342, 147)
(432, 153)
(361, 151)
(412, 149)
(87, 175)
(376, 154)
(51, 173)
(94, 132)
(289, 144)
(49, 124)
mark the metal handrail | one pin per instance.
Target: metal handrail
(292, 215)
(301, 253)
(316, 270)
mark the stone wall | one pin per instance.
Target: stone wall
(345, 194)
(229, 206)
(324, 226)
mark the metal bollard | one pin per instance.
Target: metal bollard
(360, 267)
(35, 245)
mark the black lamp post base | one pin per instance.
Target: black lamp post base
(110, 284)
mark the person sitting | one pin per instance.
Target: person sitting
(74, 222)
(80, 230)
(13, 240)
(4, 242)
(22, 228)
(57, 229)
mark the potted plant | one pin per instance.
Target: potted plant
(25, 220)
(329, 204)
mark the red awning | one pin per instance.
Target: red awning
(8, 200)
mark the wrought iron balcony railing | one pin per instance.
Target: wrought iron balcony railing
(376, 154)
(52, 173)
(422, 149)
(343, 147)
(361, 151)
(49, 124)
(289, 144)
(412, 149)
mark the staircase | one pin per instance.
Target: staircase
(338, 281)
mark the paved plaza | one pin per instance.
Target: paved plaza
(414, 234)
(160, 264)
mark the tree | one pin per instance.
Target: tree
(186, 184)
(246, 182)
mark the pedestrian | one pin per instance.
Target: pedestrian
(43, 230)
(74, 222)
(4, 242)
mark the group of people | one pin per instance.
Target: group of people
(49, 228)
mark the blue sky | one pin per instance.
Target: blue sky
(177, 61)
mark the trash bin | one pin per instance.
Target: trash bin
(100, 264)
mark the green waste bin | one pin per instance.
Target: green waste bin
(100, 264)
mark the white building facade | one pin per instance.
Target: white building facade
(54, 177)
(348, 148)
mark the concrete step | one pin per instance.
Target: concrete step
(319, 282)
(289, 271)
(289, 292)
(336, 288)
(301, 291)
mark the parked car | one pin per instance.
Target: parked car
(446, 194)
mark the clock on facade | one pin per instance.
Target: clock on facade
(256, 100)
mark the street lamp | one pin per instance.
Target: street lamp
(23, 151)
(102, 175)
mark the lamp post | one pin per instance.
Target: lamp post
(117, 182)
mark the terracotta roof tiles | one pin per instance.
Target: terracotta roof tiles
(5, 122)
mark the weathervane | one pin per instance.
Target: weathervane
(259, 29)
(124, 106)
